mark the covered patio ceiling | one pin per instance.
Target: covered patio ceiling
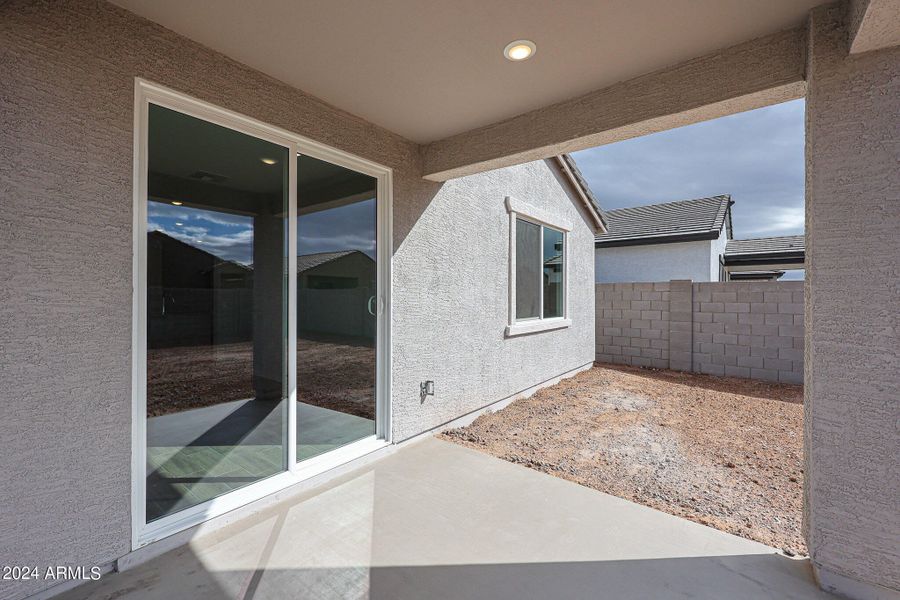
(430, 70)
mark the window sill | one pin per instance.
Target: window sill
(526, 327)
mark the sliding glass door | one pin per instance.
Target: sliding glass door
(336, 306)
(216, 311)
(260, 295)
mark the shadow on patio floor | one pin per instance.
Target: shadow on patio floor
(438, 521)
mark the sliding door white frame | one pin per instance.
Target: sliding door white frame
(147, 93)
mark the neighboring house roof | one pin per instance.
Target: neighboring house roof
(770, 245)
(682, 221)
(308, 261)
(232, 263)
(216, 260)
(755, 275)
(790, 249)
(573, 173)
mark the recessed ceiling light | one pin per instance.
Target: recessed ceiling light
(179, 224)
(519, 50)
(268, 161)
(177, 203)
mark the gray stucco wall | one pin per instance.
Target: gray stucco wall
(66, 101)
(451, 300)
(656, 262)
(852, 306)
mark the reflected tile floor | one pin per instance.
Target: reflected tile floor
(197, 455)
(320, 430)
(436, 520)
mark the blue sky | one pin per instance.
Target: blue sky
(756, 156)
(225, 235)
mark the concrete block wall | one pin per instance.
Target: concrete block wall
(749, 329)
(632, 324)
(735, 328)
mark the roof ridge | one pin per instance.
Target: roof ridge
(717, 197)
(570, 169)
(329, 252)
(724, 207)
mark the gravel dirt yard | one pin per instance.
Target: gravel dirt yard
(335, 373)
(724, 452)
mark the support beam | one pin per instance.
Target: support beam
(764, 71)
(852, 313)
(874, 25)
(269, 297)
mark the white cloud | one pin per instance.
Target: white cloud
(194, 231)
(224, 219)
(241, 238)
(782, 220)
(237, 246)
(182, 213)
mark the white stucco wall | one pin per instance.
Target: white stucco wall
(716, 249)
(451, 299)
(697, 261)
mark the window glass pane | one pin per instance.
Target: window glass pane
(336, 306)
(553, 273)
(528, 267)
(216, 325)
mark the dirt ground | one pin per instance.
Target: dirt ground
(335, 373)
(724, 452)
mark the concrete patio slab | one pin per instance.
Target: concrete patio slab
(435, 520)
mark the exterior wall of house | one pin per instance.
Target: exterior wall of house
(716, 250)
(852, 310)
(66, 139)
(452, 304)
(655, 262)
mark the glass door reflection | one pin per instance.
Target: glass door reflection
(336, 306)
(216, 311)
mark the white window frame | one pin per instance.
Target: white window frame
(518, 209)
(147, 93)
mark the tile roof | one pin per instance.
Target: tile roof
(308, 261)
(789, 244)
(698, 219)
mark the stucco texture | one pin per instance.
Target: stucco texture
(852, 306)
(66, 137)
(452, 299)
